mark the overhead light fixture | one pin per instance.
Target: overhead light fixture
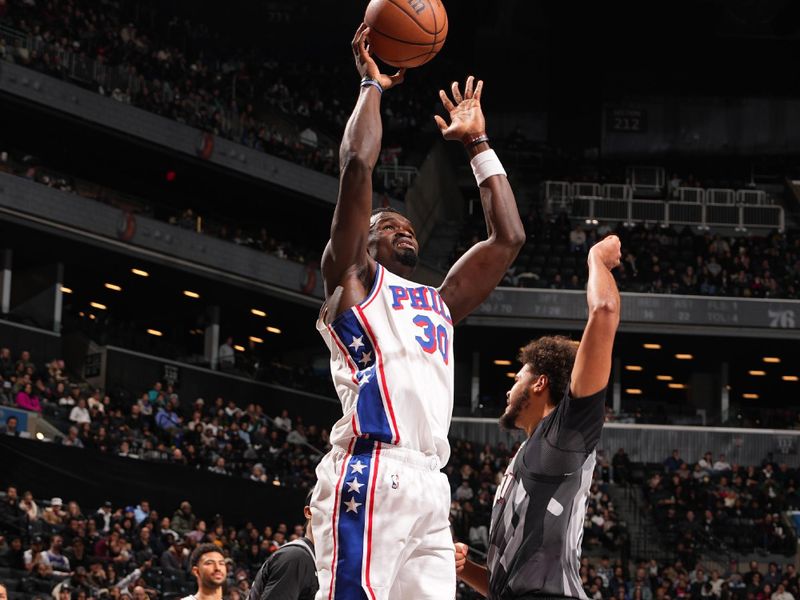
(238, 348)
(633, 368)
(750, 396)
(633, 391)
(511, 375)
(140, 272)
(684, 356)
(664, 377)
(190, 294)
(66, 290)
(39, 435)
(771, 359)
(255, 339)
(790, 378)
(113, 286)
(98, 306)
(83, 314)
(273, 329)
(652, 346)
(257, 312)
(155, 332)
(678, 386)
(757, 373)
(502, 362)
(92, 317)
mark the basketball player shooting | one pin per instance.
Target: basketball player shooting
(380, 507)
(558, 399)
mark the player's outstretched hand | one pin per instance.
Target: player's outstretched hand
(608, 251)
(461, 556)
(466, 116)
(365, 64)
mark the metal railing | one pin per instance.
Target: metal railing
(695, 207)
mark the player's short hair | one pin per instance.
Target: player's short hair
(202, 550)
(553, 356)
(381, 210)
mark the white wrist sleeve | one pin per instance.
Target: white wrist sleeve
(486, 164)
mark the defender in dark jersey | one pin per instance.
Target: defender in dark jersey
(558, 399)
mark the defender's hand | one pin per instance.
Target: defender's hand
(466, 116)
(366, 66)
(607, 251)
(461, 556)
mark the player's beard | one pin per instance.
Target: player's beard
(210, 584)
(407, 257)
(508, 420)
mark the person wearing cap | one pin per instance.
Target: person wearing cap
(290, 572)
(210, 569)
(54, 514)
(32, 555)
(63, 591)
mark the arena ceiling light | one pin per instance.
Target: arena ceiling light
(66, 290)
(191, 294)
(255, 339)
(112, 286)
(155, 332)
(684, 356)
(633, 368)
(140, 272)
(664, 377)
(502, 362)
(633, 391)
(98, 306)
(651, 346)
(511, 375)
(771, 359)
(750, 396)
(238, 348)
(258, 313)
(272, 329)
(790, 378)
(677, 386)
(757, 373)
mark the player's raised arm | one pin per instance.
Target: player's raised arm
(478, 272)
(593, 360)
(358, 153)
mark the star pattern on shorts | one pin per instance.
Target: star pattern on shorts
(352, 505)
(366, 358)
(358, 467)
(364, 379)
(357, 343)
(354, 486)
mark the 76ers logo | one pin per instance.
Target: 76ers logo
(432, 337)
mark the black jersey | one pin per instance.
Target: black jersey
(537, 519)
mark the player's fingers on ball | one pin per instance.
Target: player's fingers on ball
(456, 92)
(446, 101)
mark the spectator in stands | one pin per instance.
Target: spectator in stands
(10, 428)
(577, 240)
(7, 367)
(674, 462)
(284, 421)
(29, 507)
(54, 558)
(183, 521)
(142, 511)
(173, 558)
(227, 355)
(622, 465)
(167, 419)
(72, 438)
(721, 465)
(79, 413)
(27, 400)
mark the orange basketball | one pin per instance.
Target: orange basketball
(406, 33)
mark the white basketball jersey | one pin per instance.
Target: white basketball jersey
(392, 366)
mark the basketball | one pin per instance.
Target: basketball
(406, 33)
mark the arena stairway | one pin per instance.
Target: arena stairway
(645, 540)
